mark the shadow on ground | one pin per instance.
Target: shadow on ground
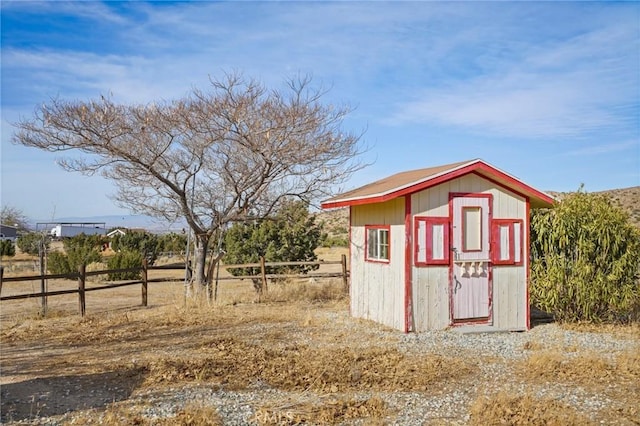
(51, 396)
(539, 317)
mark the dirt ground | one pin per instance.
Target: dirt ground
(298, 341)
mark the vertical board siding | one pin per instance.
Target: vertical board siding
(431, 297)
(509, 298)
(377, 289)
(431, 284)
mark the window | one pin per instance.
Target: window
(377, 242)
(431, 241)
(472, 228)
(506, 241)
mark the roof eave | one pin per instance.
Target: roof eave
(537, 199)
(392, 193)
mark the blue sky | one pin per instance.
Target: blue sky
(549, 92)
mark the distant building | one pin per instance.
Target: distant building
(8, 233)
(117, 231)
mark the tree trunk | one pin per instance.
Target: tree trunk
(200, 260)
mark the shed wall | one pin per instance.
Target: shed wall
(430, 285)
(377, 289)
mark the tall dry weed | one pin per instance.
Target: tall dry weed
(506, 409)
(237, 364)
(305, 291)
(583, 369)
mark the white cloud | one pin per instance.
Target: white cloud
(94, 10)
(607, 148)
(561, 88)
(519, 104)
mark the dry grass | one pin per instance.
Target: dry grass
(237, 365)
(631, 331)
(333, 411)
(505, 409)
(193, 414)
(309, 291)
(583, 369)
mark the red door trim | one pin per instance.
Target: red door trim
(408, 290)
(526, 255)
(350, 279)
(478, 321)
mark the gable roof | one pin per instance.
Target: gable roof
(412, 181)
(117, 231)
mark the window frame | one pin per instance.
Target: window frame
(429, 223)
(379, 229)
(463, 224)
(496, 225)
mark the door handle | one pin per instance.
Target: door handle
(455, 253)
(458, 285)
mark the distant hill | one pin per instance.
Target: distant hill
(336, 222)
(628, 199)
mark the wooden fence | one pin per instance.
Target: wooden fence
(82, 274)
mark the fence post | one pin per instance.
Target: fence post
(1, 277)
(263, 272)
(145, 268)
(81, 294)
(43, 284)
(345, 279)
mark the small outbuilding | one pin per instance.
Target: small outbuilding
(442, 246)
(8, 232)
(116, 232)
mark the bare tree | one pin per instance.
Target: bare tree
(243, 149)
(13, 216)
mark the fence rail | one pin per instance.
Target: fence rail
(82, 274)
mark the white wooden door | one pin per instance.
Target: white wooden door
(470, 275)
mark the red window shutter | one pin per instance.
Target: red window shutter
(431, 241)
(506, 241)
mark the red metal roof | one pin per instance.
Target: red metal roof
(405, 183)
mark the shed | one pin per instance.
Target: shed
(441, 246)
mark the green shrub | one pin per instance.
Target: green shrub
(150, 245)
(58, 263)
(123, 260)
(585, 257)
(290, 235)
(173, 242)
(335, 241)
(30, 242)
(79, 250)
(7, 248)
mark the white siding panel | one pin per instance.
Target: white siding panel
(509, 298)
(437, 242)
(517, 241)
(431, 298)
(504, 231)
(421, 256)
(378, 288)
